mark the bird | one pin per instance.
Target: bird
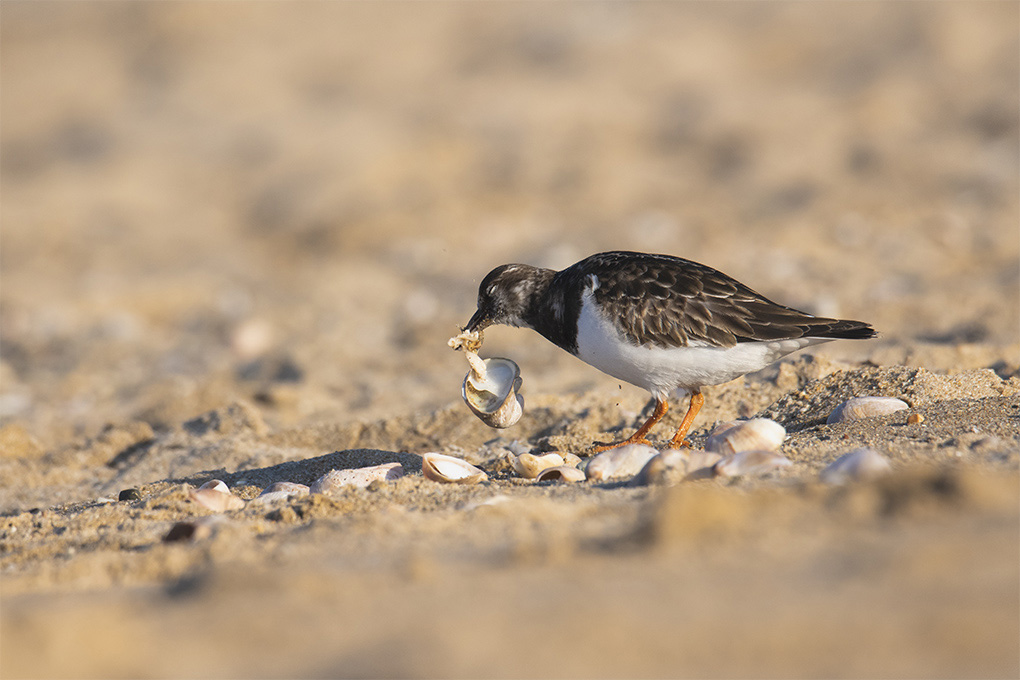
(663, 323)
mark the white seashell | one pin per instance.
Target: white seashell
(757, 434)
(625, 461)
(700, 463)
(440, 468)
(490, 390)
(857, 465)
(865, 407)
(215, 500)
(217, 485)
(358, 478)
(666, 467)
(561, 473)
(281, 491)
(528, 465)
(746, 463)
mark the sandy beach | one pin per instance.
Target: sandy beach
(235, 238)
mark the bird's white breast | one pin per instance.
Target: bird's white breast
(662, 370)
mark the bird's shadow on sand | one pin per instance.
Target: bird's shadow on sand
(307, 470)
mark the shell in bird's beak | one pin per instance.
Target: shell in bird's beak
(490, 390)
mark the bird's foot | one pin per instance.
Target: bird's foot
(599, 447)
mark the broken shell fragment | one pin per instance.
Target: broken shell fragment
(571, 459)
(865, 407)
(757, 434)
(470, 341)
(281, 491)
(358, 478)
(528, 465)
(625, 461)
(561, 473)
(857, 465)
(490, 390)
(450, 470)
(746, 463)
(216, 485)
(215, 500)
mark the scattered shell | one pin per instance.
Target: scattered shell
(915, 419)
(217, 485)
(857, 465)
(440, 468)
(757, 434)
(281, 491)
(625, 461)
(665, 468)
(865, 407)
(745, 463)
(528, 465)
(216, 500)
(561, 473)
(490, 390)
(358, 478)
(700, 464)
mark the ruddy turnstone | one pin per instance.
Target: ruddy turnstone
(656, 321)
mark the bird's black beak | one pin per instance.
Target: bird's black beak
(479, 321)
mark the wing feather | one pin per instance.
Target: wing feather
(670, 301)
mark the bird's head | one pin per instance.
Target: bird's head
(505, 295)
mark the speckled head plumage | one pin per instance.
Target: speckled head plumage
(508, 295)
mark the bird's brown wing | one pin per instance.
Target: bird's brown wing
(669, 301)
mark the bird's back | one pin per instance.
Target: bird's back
(668, 301)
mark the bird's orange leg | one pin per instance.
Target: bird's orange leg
(679, 439)
(661, 406)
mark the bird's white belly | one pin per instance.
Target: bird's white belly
(663, 370)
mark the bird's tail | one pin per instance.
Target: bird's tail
(842, 329)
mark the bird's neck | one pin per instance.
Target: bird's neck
(552, 311)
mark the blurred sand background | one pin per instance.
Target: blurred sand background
(279, 212)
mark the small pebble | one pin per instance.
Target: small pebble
(915, 419)
(130, 495)
(196, 530)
